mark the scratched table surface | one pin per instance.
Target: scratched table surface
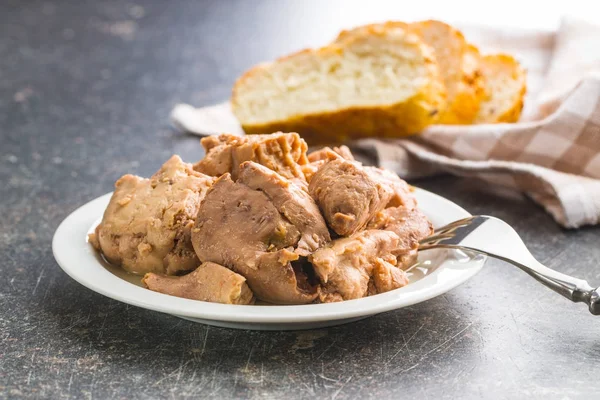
(85, 92)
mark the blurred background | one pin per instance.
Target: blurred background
(111, 64)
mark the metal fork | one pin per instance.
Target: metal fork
(494, 237)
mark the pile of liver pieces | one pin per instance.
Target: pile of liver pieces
(258, 218)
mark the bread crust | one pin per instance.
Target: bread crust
(471, 91)
(399, 120)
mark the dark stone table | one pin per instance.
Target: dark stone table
(85, 92)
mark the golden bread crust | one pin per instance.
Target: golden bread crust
(399, 120)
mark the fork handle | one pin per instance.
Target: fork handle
(574, 289)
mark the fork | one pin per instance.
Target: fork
(494, 237)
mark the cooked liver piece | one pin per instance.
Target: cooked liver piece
(387, 276)
(411, 225)
(345, 152)
(309, 170)
(403, 195)
(293, 203)
(147, 224)
(218, 158)
(348, 195)
(318, 158)
(328, 154)
(242, 229)
(283, 153)
(209, 282)
(346, 266)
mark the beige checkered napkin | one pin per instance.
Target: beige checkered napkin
(554, 160)
(576, 55)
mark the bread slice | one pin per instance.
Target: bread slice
(457, 63)
(505, 88)
(382, 83)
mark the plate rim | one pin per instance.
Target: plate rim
(79, 220)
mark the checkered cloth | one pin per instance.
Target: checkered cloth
(552, 155)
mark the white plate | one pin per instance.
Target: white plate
(438, 272)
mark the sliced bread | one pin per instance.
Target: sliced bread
(457, 63)
(379, 82)
(505, 89)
